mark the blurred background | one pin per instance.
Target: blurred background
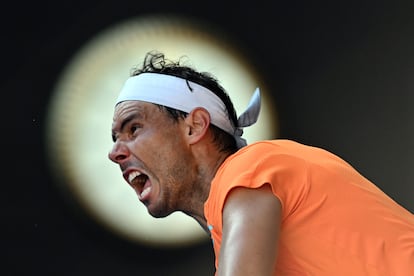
(337, 75)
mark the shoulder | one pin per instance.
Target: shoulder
(289, 151)
(277, 146)
(267, 151)
(261, 162)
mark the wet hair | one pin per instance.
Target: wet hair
(155, 62)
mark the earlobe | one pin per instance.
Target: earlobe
(198, 121)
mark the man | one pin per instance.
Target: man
(272, 207)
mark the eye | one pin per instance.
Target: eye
(134, 129)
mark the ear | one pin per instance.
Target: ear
(198, 122)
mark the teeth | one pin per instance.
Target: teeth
(133, 175)
(145, 192)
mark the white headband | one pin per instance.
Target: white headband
(185, 95)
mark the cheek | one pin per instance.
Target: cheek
(156, 148)
(167, 153)
(161, 146)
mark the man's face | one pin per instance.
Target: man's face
(152, 153)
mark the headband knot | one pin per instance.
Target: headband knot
(174, 92)
(248, 118)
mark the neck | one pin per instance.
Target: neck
(207, 170)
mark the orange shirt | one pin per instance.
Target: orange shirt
(334, 220)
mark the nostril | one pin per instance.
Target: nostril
(118, 153)
(120, 157)
(116, 157)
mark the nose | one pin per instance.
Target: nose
(119, 152)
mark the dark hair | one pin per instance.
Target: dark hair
(156, 62)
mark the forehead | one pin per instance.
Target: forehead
(133, 109)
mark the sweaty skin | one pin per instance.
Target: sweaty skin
(175, 156)
(140, 130)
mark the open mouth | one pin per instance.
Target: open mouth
(138, 181)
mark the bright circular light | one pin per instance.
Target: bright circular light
(81, 109)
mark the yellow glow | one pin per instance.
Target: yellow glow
(81, 109)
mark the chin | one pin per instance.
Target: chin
(156, 213)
